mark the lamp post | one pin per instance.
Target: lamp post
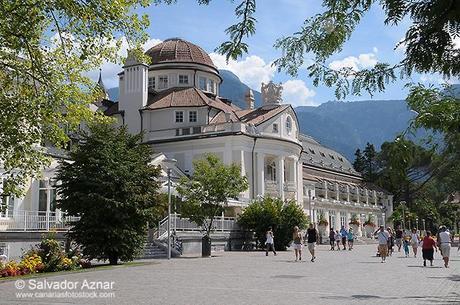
(170, 162)
(309, 205)
(424, 229)
(403, 204)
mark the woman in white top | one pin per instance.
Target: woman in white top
(414, 241)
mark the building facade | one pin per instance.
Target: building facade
(175, 100)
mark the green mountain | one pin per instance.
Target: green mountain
(346, 126)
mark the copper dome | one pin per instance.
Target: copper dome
(176, 50)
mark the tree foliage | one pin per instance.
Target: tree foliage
(273, 212)
(205, 194)
(46, 49)
(109, 183)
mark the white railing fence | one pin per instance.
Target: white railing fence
(37, 221)
(178, 224)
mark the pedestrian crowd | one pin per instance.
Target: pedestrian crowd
(387, 240)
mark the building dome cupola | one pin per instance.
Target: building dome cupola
(177, 50)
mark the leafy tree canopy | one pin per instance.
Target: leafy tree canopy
(273, 212)
(46, 48)
(206, 193)
(111, 185)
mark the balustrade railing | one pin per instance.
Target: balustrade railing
(37, 221)
(178, 224)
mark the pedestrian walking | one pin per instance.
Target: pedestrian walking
(391, 242)
(350, 238)
(332, 239)
(338, 238)
(444, 242)
(382, 236)
(406, 244)
(414, 241)
(269, 242)
(312, 238)
(428, 247)
(297, 242)
(398, 237)
(344, 234)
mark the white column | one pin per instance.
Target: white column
(348, 219)
(298, 180)
(357, 195)
(337, 191)
(375, 197)
(337, 220)
(243, 168)
(348, 193)
(280, 176)
(367, 196)
(325, 189)
(260, 174)
(326, 215)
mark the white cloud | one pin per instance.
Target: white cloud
(252, 70)
(434, 79)
(110, 70)
(366, 60)
(296, 93)
(375, 50)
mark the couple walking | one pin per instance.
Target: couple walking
(312, 237)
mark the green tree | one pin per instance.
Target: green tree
(109, 183)
(370, 167)
(205, 195)
(46, 49)
(358, 164)
(273, 212)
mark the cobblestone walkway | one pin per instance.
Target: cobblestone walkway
(340, 277)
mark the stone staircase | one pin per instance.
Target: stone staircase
(153, 250)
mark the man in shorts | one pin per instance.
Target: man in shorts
(312, 237)
(383, 236)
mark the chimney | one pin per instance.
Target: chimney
(249, 97)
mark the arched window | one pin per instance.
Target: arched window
(271, 171)
(289, 125)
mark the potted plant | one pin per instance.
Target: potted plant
(354, 223)
(369, 226)
(322, 225)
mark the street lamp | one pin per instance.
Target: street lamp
(403, 204)
(169, 163)
(309, 205)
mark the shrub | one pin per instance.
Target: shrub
(32, 263)
(272, 212)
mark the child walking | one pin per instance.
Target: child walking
(406, 244)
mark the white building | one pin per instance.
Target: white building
(176, 102)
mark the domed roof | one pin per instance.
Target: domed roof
(176, 50)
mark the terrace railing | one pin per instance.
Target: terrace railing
(37, 221)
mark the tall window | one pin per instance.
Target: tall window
(183, 79)
(271, 171)
(163, 82)
(192, 116)
(179, 116)
(47, 195)
(275, 128)
(202, 83)
(152, 82)
(211, 86)
(289, 125)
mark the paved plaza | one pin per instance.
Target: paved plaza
(345, 277)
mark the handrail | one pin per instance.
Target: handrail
(40, 221)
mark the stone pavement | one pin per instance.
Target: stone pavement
(340, 277)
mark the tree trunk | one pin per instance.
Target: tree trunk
(206, 246)
(113, 259)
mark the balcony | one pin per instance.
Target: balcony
(188, 131)
(37, 221)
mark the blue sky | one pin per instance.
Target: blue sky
(205, 26)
